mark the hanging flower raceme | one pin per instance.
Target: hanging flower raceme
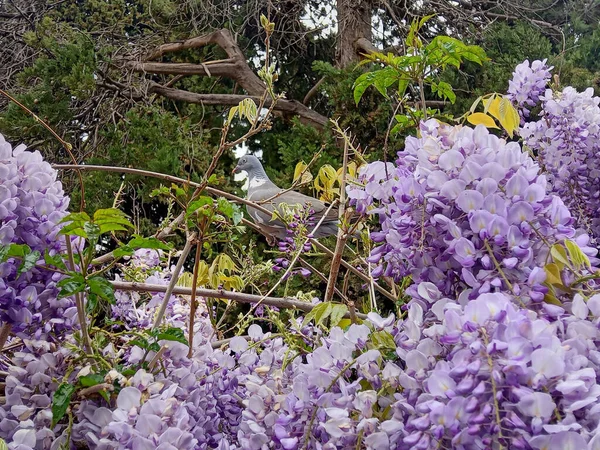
(528, 84)
(466, 211)
(300, 223)
(492, 373)
(32, 204)
(567, 141)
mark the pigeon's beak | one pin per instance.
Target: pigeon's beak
(236, 169)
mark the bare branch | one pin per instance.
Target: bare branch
(278, 302)
(292, 107)
(235, 67)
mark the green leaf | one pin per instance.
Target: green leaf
(109, 227)
(91, 380)
(154, 347)
(92, 231)
(382, 339)
(61, 401)
(111, 214)
(338, 312)
(54, 260)
(197, 204)
(559, 254)
(74, 229)
(151, 242)
(577, 255)
(28, 262)
(445, 91)
(384, 78)
(13, 251)
(125, 250)
(91, 303)
(80, 217)
(101, 287)
(318, 313)
(71, 285)
(139, 342)
(172, 334)
(225, 206)
(361, 84)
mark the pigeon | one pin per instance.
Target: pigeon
(261, 188)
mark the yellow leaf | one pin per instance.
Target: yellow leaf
(475, 104)
(185, 280)
(328, 174)
(492, 106)
(509, 117)
(559, 255)
(553, 274)
(344, 323)
(232, 113)
(300, 167)
(551, 298)
(482, 119)
(577, 255)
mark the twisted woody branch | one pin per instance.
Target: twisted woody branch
(235, 67)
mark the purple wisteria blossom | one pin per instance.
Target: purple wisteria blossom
(32, 203)
(528, 84)
(567, 141)
(466, 212)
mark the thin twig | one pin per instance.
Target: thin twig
(95, 389)
(341, 234)
(322, 277)
(174, 277)
(217, 192)
(292, 262)
(4, 333)
(222, 342)
(354, 270)
(162, 176)
(193, 300)
(79, 303)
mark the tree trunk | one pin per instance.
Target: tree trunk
(354, 22)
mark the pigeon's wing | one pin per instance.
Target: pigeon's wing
(320, 208)
(274, 196)
(263, 220)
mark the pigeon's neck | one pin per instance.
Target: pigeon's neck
(257, 178)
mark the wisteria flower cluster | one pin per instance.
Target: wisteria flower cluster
(567, 141)
(528, 84)
(300, 223)
(32, 203)
(466, 211)
(26, 414)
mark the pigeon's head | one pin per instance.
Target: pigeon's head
(249, 164)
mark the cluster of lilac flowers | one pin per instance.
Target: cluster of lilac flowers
(567, 141)
(528, 84)
(300, 224)
(26, 414)
(32, 203)
(488, 371)
(464, 211)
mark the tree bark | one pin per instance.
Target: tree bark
(354, 23)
